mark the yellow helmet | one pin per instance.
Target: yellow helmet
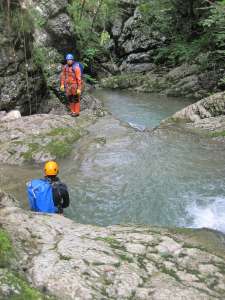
(51, 168)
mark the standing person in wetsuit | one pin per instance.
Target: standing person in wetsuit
(48, 195)
(71, 83)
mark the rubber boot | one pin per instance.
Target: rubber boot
(77, 108)
(72, 111)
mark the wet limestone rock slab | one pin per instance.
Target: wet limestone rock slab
(74, 261)
(37, 138)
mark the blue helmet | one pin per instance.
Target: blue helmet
(69, 56)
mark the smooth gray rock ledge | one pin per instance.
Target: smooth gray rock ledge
(82, 262)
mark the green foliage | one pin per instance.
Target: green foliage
(21, 22)
(38, 20)
(181, 51)
(187, 15)
(91, 20)
(45, 58)
(90, 79)
(20, 288)
(156, 15)
(105, 37)
(194, 30)
(214, 26)
(218, 134)
(89, 55)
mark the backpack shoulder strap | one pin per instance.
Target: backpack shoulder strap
(74, 66)
(79, 65)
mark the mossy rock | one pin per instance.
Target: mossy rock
(149, 82)
(60, 143)
(59, 149)
(123, 81)
(217, 134)
(6, 249)
(14, 287)
(208, 240)
(33, 147)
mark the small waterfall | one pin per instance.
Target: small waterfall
(210, 215)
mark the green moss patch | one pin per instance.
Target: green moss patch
(59, 149)
(60, 143)
(68, 131)
(126, 257)
(12, 285)
(218, 134)
(113, 243)
(171, 273)
(6, 249)
(33, 147)
(18, 288)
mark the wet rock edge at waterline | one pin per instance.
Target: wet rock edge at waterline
(75, 261)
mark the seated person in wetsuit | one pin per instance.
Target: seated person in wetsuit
(48, 195)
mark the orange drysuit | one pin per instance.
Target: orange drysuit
(72, 81)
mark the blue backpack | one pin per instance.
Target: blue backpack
(77, 64)
(40, 196)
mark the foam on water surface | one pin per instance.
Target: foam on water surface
(211, 214)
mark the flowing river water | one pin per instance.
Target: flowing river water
(168, 177)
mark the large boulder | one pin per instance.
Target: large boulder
(133, 42)
(24, 90)
(26, 75)
(134, 39)
(211, 106)
(61, 34)
(12, 115)
(206, 116)
(21, 83)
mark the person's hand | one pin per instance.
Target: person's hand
(78, 92)
(62, 88)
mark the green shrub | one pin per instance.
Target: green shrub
(91, 20)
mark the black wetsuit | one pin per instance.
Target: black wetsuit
(60, 193)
